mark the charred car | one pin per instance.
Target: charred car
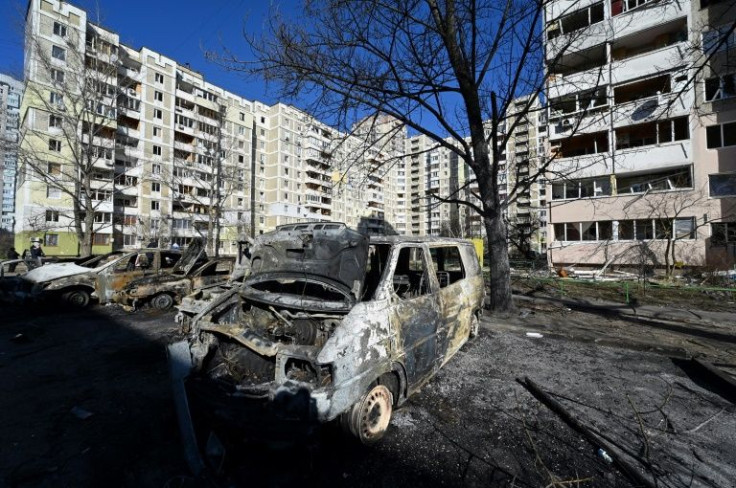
(204, 294)
(329, 325)
(98, 277)
(163, 291)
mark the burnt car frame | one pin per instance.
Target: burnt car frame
(329, 325)
(163, 291)
(98, 277)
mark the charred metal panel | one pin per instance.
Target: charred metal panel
(338, 254)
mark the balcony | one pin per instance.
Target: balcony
(129, 132)
(653, 157)
(131, 73)
(589, 79)
(657, 107)
(648, 17)
(649, 63)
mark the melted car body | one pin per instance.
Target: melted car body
(161, 291)
(330, 324)
(99, 276)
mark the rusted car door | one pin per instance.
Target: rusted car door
(415, 314)
(131, 267)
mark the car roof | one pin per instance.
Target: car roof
(417, 240)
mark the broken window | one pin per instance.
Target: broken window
(375, 266)
(721, 135)
(575, 21)
(657, 181)
(720, 87)
(410, 276)
(448, 264)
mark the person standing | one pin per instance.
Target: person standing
(12, 254)
(36, 253)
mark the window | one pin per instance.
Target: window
(685, 228)
(129, 240)
(57, 75)
(159, 78)
(657, 181)
(101, 240)
(720, 87)
(723, 233)
(721, 135)
(52, 216)
(54, 169)
(51, 240)
(59, 29)
(242, 116)
(719, 39)
(156, 169)
(157, 132)
(103, 217)
(157, 113)
(55, 121)
(53, 193)
(448, 264)
(130, 220)
(158, 96)
(410, 278)
(155, 205)
(722, 185)
(157, 150)
(58, 53)
(156, 187)
(56, 99)
(54, 145)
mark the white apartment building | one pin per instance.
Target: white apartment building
(180, 157)
(11, 92)
(635, 166)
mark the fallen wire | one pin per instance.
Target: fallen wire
(705, 422)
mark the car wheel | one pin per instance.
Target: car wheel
(76, 298)
(163, 301)
(368, 419)
(474, 326)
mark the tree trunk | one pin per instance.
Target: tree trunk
(499, 297)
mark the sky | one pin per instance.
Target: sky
(179, 29)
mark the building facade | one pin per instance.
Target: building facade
(173, 157)
(635, 167)
(11, 93)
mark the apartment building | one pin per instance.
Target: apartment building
(11, 92)
(174, 156)
(636, 160)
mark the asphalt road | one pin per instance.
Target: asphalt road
(86, 402)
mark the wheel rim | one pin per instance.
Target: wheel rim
(375, 413)
(77, 298)
(162, 302)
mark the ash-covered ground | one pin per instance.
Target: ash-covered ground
(86, 402)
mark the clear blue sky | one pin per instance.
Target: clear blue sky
(179, 29)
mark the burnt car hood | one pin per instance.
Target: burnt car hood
(55, 271)
(335, 257)
(310, 293)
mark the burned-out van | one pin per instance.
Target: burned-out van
(329, 325)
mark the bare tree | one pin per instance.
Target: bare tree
(441, 67)
(68, 141)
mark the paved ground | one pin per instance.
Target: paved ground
(86, 402)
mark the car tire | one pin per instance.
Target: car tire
(162, 301)
(76, 298)
(474, 326)
(369, 418)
